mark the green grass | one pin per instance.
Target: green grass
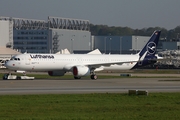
(70, 77)
(159, 106)
(158, 71)
(65, 77)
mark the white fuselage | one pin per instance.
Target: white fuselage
(50, 62)
(84, 64)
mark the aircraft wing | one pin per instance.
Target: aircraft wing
(97, 65)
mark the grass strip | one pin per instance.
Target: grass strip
(90, 106)
(70, 77)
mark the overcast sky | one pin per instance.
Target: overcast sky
(136, 14)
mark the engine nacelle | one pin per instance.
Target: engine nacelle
(79, 71)
(56, 73)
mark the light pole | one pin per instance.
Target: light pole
(104, 45)
(60, 41)
(178, 36)
(136, 44)
(110, 45)
(72, 45)
(120, 46)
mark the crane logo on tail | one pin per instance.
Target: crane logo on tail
(151, 47)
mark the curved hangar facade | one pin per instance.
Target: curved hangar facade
(39, 36)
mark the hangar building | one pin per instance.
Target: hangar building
(6, 41)
(119, 44)
(55, 34)
(6, 33)
(39, 36)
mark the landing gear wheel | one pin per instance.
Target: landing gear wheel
(77, 77)
(94, 77)
(18, 78)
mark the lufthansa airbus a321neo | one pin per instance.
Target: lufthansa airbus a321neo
(84, 64)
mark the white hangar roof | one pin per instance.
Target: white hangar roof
(8, 51)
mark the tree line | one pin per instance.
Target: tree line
(104, 30)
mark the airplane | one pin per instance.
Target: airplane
(84, 64)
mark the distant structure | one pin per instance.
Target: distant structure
(172, 59)
(6, 41)
(119, 44)
(57, 34)
(39, 36)
(6, 33)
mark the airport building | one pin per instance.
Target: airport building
(6, 41)
(129, 44)
(170, 45)
(6, 33)
(55, 34)
(119, 44)
(39, 36)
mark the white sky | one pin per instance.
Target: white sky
(136, 14)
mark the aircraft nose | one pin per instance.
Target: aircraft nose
(8, 64)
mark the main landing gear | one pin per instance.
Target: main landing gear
(93, 76)
(75, 77)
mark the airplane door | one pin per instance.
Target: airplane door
(27, 60)
(140, 63)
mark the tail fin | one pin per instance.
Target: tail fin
(150, 47)
(147, 54)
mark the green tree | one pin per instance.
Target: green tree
(105, 30)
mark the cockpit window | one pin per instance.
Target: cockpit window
(12, 58)
(16, 59)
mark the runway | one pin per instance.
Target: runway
(121, 85)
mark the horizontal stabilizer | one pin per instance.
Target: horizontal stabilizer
(96, 51)
(64, 51)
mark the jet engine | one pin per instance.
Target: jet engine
(56, 73)
(81, 71)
